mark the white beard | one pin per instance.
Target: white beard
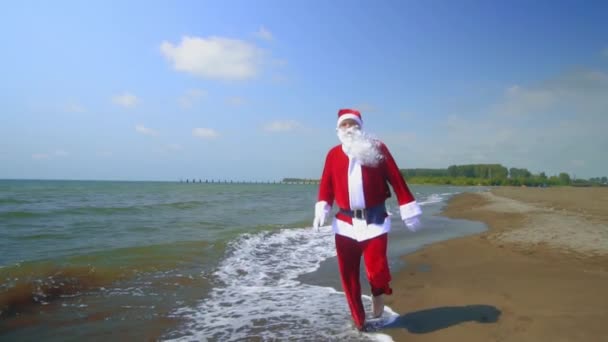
(361, 146)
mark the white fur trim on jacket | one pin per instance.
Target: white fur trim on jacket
(410, 210)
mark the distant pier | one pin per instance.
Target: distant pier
(227, 181)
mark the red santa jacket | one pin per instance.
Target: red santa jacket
(375, 180)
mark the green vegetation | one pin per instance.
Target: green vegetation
(493, 174)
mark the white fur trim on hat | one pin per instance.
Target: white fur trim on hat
(349, 116)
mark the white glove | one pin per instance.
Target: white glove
(321, 211)
(413, 223)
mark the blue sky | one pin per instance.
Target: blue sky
(169, 90)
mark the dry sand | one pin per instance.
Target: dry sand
(540, 272)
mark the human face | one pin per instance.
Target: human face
(347, 130)
(348, 123)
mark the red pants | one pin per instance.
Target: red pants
(376, 266)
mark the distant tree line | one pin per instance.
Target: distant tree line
(493, 174)
(598, 180)
(595, 181)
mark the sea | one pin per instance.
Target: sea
(173, 261)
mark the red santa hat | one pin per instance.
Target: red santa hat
(352, 114)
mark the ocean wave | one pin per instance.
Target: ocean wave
(258, 295)
(19, 214)
(98, 210)
(43, 236)
(27, 286)
(432, 199)
(13, 201)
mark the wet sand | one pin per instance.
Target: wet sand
(539, 273)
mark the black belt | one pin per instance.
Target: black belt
(375, 214)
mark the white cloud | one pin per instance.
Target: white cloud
(264, 34)
(105, 154)
(402, 137)
(204, 133)
(60, 153)
(214, 57)
(580, 90)
(40, 156)
(145, 130)
(557, 125)
(50, 155)
(578, 162)
(235, 101)
(279, 62)
(191, 97)
(408, 115)
(75, 108)
(281, 126)
(126, 100)
(172, 147)
(520, 101)
(365, 108)
(279, 79)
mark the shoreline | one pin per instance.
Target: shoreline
(539, 271)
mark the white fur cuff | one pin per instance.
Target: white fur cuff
(409, 210)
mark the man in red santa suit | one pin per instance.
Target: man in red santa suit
(356, 176)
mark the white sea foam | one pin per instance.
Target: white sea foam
(428, 200)
(432, 198)
(259, 296)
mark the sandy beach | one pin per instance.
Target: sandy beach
(539, 273)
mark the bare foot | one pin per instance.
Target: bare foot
(377, 305)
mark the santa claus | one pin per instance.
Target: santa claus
(356, 177)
